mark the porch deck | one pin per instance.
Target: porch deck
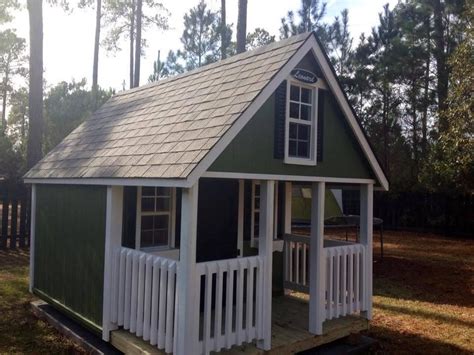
(289, 331)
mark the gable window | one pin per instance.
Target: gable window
(300, 145)
(155, 217)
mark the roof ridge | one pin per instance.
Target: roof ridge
(260, 50)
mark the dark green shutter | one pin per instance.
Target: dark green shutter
(320, 135)
(280, 116)
(129, 216)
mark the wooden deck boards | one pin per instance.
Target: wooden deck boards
(289, 332)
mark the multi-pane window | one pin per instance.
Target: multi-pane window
(156, 207)
(255, 210)
(300, 122)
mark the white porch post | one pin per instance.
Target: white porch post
(366, 227)
(288, 200)
(188, 291)
(113, 240)
(265, 250)
(316, 261)
(32, 236)
(240, 219)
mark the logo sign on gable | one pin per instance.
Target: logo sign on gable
(304, 75)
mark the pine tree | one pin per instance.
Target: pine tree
(200, 37)
(120, 17)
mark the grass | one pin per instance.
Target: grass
(423, 300)
(20, 331)
(424, 295)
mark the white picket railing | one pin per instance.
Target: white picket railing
(345, 280)
(232, 301)
(344, 276)
(296, 272)
(144, 298)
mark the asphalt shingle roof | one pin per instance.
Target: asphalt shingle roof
(164, 129)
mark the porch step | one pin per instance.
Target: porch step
(129, 344)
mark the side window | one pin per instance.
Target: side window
(155, 212)
(255, 214)
(300, 145)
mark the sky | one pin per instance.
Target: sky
(69, 39)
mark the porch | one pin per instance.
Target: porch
(289, 331)
(186, 306)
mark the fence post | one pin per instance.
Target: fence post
(4, 226)
(14, 224)
(23, 207)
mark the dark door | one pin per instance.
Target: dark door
(217, 219)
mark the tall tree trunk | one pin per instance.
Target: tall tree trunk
(223, 31)
(4, 100)
(424, 117)
(440, 56)
(95, 65)
(242, 26)
(35, 136)
(132, 47)
(138, 43)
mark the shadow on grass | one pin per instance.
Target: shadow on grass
(394, 342)
(422, 280)
(423, 314)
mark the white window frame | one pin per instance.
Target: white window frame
(312, 160)
(172, 222)
(253, 237)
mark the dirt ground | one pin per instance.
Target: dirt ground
(423, 299)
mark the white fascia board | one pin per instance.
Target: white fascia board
(310, 44)
(112, 182)
(251, 176)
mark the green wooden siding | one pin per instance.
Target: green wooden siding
(69, 249)
(251, 151)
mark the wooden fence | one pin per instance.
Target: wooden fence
(14, 218)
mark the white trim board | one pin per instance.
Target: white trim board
(252, 176)
(112, 182)
(310, 44)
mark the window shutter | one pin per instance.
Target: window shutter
(320, 135)
(129, 217)
(280, 116)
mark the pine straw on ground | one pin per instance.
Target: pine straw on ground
(424, 295)
(20, 331)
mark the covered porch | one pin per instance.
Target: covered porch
(179, 305)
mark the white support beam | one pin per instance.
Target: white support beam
(288, 201)
(366, 231)
(113, 240)
(265, 250)
(188, 292)
(240, 219)
(316, 262)
(32, 236)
